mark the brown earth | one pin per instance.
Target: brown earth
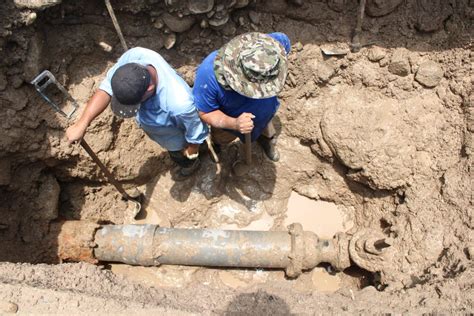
(385, 134)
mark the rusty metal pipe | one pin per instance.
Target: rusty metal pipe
(149, 245)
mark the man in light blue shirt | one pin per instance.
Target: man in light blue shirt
(143, 85)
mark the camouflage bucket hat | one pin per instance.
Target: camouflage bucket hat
(252, 64)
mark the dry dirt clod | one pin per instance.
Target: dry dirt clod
(470, 252)
(381, 7)
(170, 40)
(219, 18)
(241, 3)
(337, 5)
(376, 54)
(254, 17)
(399, 64)
(30, 18)
(8, 307)
(177, 24)
(432, 14)
(200, 6)
(106, 47)
(36, 4)
(429, 74)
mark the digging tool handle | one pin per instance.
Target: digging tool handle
(116, 25)
(104, 169)
(248, 149)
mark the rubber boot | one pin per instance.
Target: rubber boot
(269, 147)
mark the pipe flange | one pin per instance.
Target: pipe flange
(297, 253)
(370, 250)
(342, 258)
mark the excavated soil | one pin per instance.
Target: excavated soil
(379, 139)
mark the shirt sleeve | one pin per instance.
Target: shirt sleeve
(283, 39)
(106, 84)
(195, 130)
(205, 87)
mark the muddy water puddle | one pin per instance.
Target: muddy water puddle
(323, 218)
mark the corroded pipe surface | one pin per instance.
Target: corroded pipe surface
(132, 244)
(293, 250)
(222, 248)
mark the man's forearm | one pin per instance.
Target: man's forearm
(96, 105)
(218, 119)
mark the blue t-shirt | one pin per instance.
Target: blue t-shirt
(209, 95)
(169, 117)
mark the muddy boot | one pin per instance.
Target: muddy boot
(187, 167)
(269, 147)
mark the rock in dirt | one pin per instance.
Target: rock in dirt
(106, 47)
(399, 64)
(36, 4)
(325, 71)
(158, 24)
(200, 6)
(8, 307)
(381, 7)
(431, 14)
(376, 54)
(170, 40)
(30, 18)
(337, 5)
(219, 19)
(429, 74)
(470, 252)
(254, 17)
(229, 29)
(241, 3)
(177, 24)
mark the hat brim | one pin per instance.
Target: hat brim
(229, 72)
(124, 110)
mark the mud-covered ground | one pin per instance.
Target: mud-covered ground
(384, 134)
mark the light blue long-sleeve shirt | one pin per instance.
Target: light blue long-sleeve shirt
(169, 117)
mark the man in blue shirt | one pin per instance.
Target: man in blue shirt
(143, 85)
(235, 88)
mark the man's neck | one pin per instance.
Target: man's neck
(154, 74)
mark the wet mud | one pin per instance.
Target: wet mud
(378, 140)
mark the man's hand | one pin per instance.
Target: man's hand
(96, 105)
(216, 118)
(75, 132)
(244, 123)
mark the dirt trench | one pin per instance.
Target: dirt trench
(379, 139)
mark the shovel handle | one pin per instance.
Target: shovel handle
(248, 149)
(106, 171)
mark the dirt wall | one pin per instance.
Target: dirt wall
(385, 133)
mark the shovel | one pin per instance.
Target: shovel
(242, 168)
(41, 82)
